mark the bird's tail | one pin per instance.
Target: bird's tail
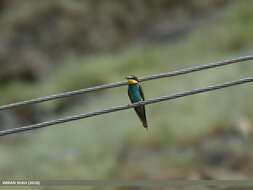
(142, 115)
(145, 124)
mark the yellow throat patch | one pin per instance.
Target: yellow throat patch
(132, 81)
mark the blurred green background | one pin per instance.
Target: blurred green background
(52, 46)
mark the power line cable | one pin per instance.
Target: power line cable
(117, 84)
(124, 107)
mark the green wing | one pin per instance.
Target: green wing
(142, 113)
(142, 93)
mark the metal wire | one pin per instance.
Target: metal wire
(117, 84)
(124, 107)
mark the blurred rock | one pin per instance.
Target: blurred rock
(225, 154)
(221, 147)
(27, 65)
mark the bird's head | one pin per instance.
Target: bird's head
(132, 79)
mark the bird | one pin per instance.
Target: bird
(136, 94)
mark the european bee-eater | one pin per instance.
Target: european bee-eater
(136, 94)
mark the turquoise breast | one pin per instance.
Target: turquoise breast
(134, 93)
